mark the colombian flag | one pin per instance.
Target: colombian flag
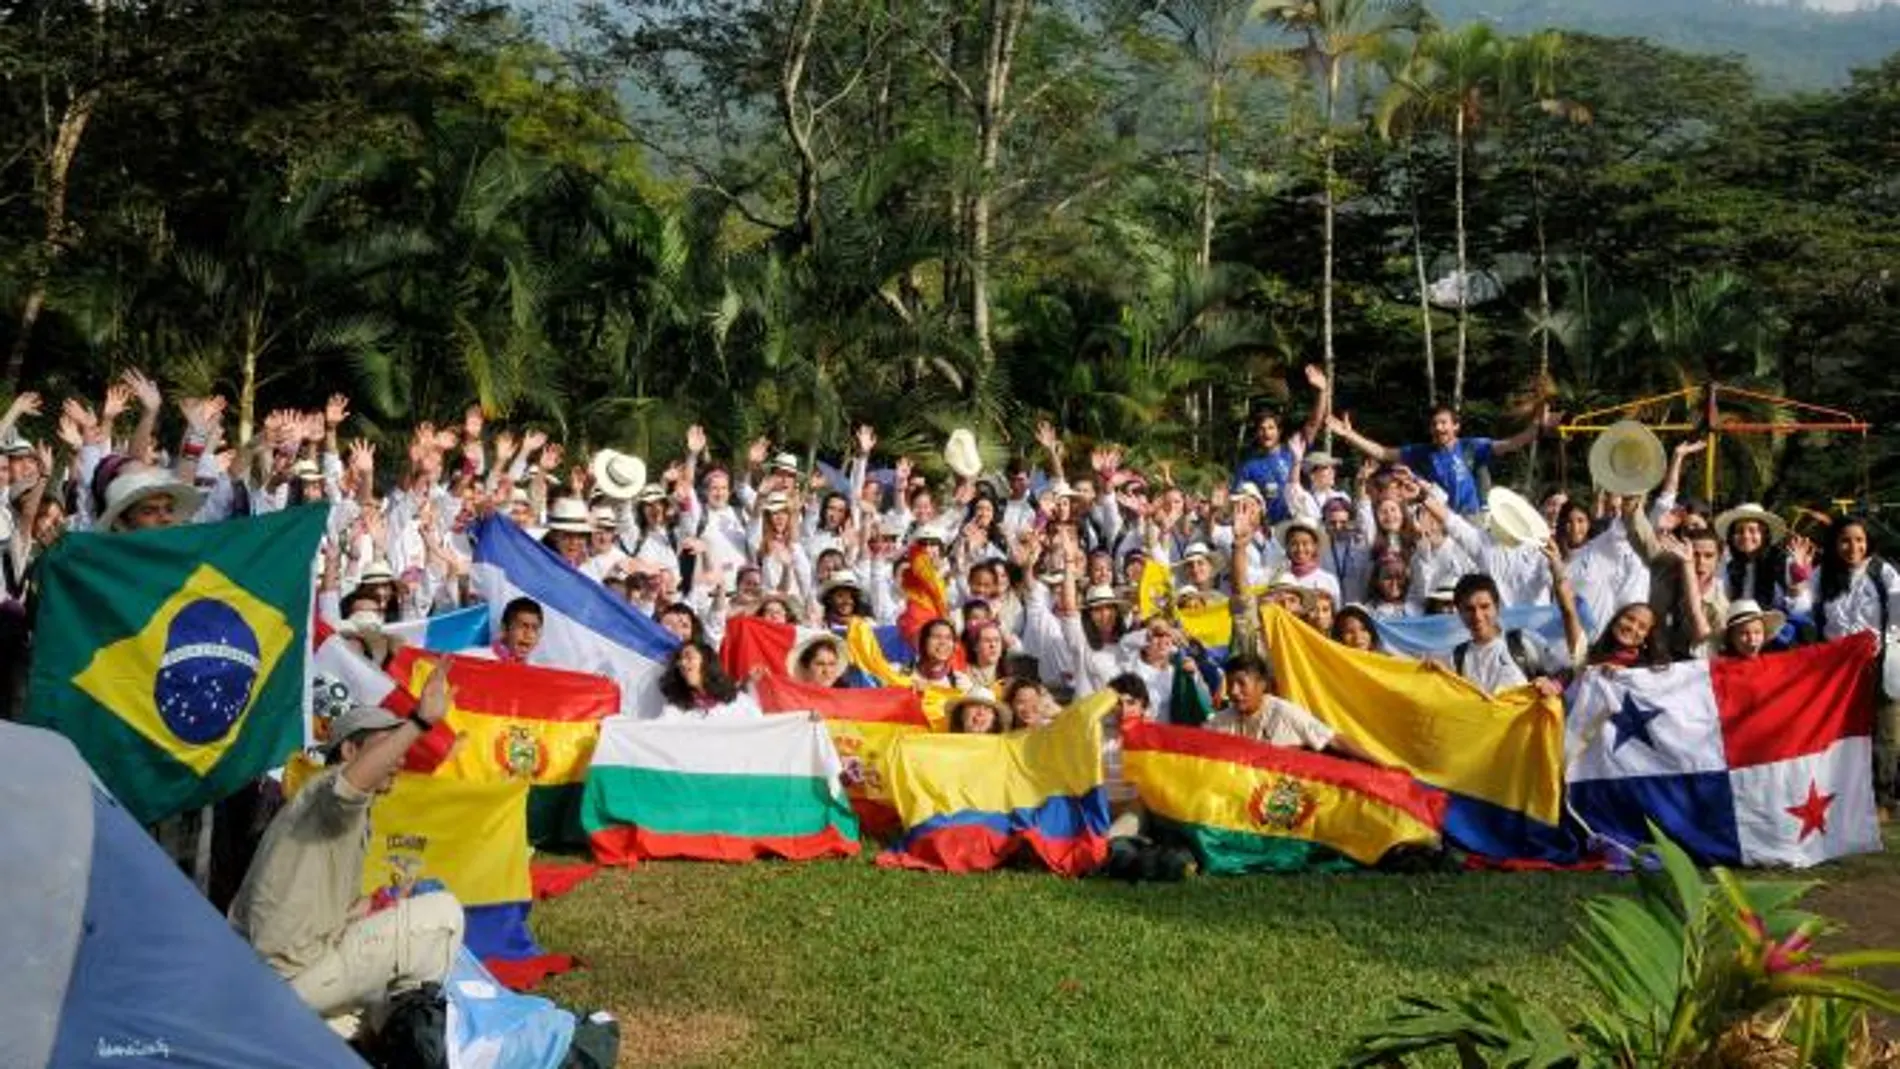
(471, 836)
(1250, 807)
(864, 723)
(969, 802)
(521, 722)
(175, 659)
(1501, 757)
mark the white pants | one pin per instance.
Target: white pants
(398, 949)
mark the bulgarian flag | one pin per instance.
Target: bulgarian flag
(864, 723)
(1246, 806)
(521, 722)
(717, 790)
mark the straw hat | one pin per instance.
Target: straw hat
(1005, 719)
(805, 645)
(1101, 594)
(1628, 459)
(16, 447)
(842, 579)
(605, 519)
(133, 484)
(1514, 520)
(793, 607)
(1317, 459)
(776, 501)
(569, 514)
(1195, 551)
(651, 492)
(785, 462)
(1776, 526)
(376, 571)
(618, 475)
(1252, 491)
(961, 455)
(367, 628)
(307, 470)
(1300, 523)
(1742, 610)
(1447, 593)
(1281, 584)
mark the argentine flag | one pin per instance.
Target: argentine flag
(585, 628)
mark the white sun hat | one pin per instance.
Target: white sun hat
(1514, 520)
(618, 475)
(134, 484)
(569, 514)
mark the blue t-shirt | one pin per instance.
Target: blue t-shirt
(1454, 468)
(1270, 472)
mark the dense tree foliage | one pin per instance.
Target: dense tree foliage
(786, 216)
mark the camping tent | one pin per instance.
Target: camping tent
(114, 959)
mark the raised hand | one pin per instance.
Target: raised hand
(69, 432)
(551, 457)
(26, 404)
(144, 389)
(903, 476)
(1689, 447)
(1339, 424)
(867, 439)
(964, 493)
(43, 452)
(472, 423)
(533, 442)
(1801, 551)
(755, 453)
(362, 457)
(446, 440)
(695, 440)
(504, 448)
(118, 399)
(336, 410)
(1315, 377)
(1047, 437)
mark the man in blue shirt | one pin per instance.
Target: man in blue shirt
(1271, 462)
(1448, 460)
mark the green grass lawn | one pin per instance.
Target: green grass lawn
(844, 964)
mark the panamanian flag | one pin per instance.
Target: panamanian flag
(1757, 762)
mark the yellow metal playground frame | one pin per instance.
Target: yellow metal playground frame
(1712, 426)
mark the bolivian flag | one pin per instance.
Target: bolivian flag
(175, 659)
(521, 722)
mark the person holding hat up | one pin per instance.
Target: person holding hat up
(1685, 587)
(300, 905)
(1275, 456)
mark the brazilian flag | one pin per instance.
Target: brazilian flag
(175, 659)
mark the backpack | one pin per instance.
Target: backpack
(415, 1035)
(1513, 642)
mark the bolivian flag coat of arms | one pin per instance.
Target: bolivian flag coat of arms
(175, 659)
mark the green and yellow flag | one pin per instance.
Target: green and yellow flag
(175, 659)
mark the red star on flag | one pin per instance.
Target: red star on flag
(1813, 812)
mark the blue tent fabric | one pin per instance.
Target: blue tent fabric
(134, 967)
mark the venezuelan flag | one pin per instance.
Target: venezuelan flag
(521, 722)
(867, 653)
(969, 802)
(865, 723)
(1250, 807)
(1501, 757)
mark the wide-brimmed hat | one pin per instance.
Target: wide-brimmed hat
(16, 447)
(776, 501)
(1514, 520)
(785, 462)
(1283, 584)
(1194, 550)
(134, 484)
(960, 453)
(569, 514)
(377, 570)
(1628, 458)
(307, 470)
(1317, 459)
(1300, 523)
(1252, 491)
(618, 475)
(1742, 610)
(1059, 488)
(804, 645)
(1102, 594)
(1005, 718)
(793, 607)
(605, 518)
(1445, 592)
(1776, 526)
(651, 492)
(842, 579)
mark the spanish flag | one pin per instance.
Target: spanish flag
(1250, 807)
(865, 722)
(1501, 757)
(970, 802)
(926, 594)
(521, 722)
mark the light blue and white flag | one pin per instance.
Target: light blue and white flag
(1422, 636)
(448, 632)
(585, 627)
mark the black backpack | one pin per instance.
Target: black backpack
(415, 1036)
(1513, 642)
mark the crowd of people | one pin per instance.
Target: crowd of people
(1044, 564)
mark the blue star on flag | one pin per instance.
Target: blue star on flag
(1632, 722)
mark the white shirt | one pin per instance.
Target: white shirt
(1279, 723)
(1858, 608)
(1489, 664)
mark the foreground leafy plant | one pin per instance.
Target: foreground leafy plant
(1686, 972)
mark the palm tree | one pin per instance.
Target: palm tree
(1338, 32)
(1454, 82)
(1210, 34)
(1534, 68)
(1396, 62)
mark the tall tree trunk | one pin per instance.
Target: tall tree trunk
(1543, 297)
(1424, 305)
(1464, 277)
(59, 163)
(1004, 22)
(1210, 165)
(797, 119)
(1326, 242)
